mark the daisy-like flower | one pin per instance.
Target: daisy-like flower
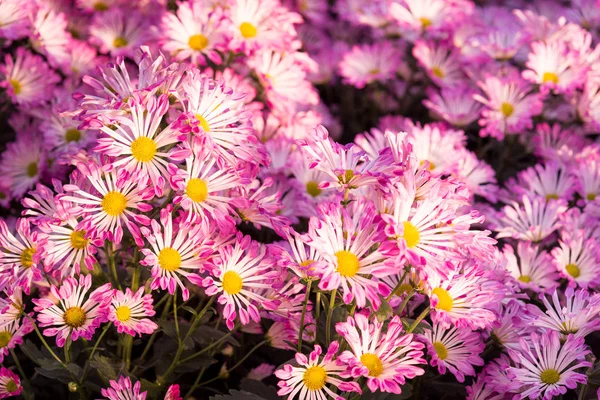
(386, 358)
(440, 62)
(120, 31)
(346, 245)
(502, 35)
(313, 377)
(50, 36)
(577, 260)
(137, 142)
(175, 251)
(193, 32)
(533, 269)
(555, 142)
(455, 105)
(11, 335)
(15, 19)
(367, 63)
(129, 312)
(23, 162)
(418, 16)
(73, 311)
(587, 180)
(109, 202)
(554, 66)
(433, 142)
(509, 106)
(453, 349)
(27, 78)
(479, 176)
(551, 181)
(20, 257)
(512, 325)
(242, 271)
(295, 254)
(123, 389)
(10, 384)
(533, 220)
(546, 367)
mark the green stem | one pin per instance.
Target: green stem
(304, 306)
(419, 319)
(175, 319)
(41, 337)
(128, 346)
(207, 348)
(405, 302)
(67, 349)
(237, 364)
(196, 383)
(135, 279)
(19, 368)
(111, 264)
(329, 315)
(397, 286)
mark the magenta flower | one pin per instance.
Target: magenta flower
(129, 312)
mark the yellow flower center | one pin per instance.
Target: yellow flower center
(551, 196)
(114, 203)
(203, 123)
(525, 278)
(100, 6)
(425, 22)
(348, 175)
(143, 149)
(5, 337)
(348, 264)
(11, 386)
(373, 364)
(72, 135)
(32, 169)
(550, 77)
(198, 42)
(74, 317)
(16, 85)
(411, 235)
(374, 71)
(232, 282)
(444, 299)
(573, 270)
(169, 259)
(591, 196)
(550, 376)
(314, 378)
(120, 42)
(437, 71)
(78, 240)
(404, 288)
(123, 313)
(197, 190)
(27, 257)
(247, 30)
(312, 188)
(440, 350)
(507, 109)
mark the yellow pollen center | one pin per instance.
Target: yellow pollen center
(444, 299)
(143, 149)
(314, 378)
(247, 30)
(507, 109)
(348, 264)
(232, 282)
(100, 6)
(120, 42)
(198, 42)
(550, 376)
(74, 317)
(440, 350)
(425, 22)
(373, 364)
(169, 259)
(32, 169)
(16, 85)
(197, 190)
(551, 196)
(72, 135)
(550, 77)
(123, 313)
(312, 188)
(374, 71)
(114, 203)
(437, 71)
(11, 386)
(411, 235)
(203, 123)
(525, 278)
(5, 337)
(78, 240)
(573, 270)
(27, 257)
(591, 196)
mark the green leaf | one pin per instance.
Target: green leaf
(206, 335)
(195, 364)
(237, 395)
(189, 309)
(106, 367)
(54, 370)
(384, 312)
(259, 388)
(33, 352)
(154, 391)
(339, 315)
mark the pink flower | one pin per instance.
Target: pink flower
(365, 64)
(454, 104)
(123, 389)
(440, 61)
(10, 384)
(15, 19)
(129, 312)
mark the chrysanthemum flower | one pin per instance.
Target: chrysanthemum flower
(510, 106)
(555, 142)
(241, 271)
(433, 142)
(129, 312)
(479, 176)
(533, 269)
(385, 357)
(11, 335)
(11, 307)
(511, 327)
(454, 349)
(551, 181)
(310, 379)
(502, 35)
(50, 36)
(120, 31)
(10, 384)
(454, 104)
(577, 260)
(346, 245)
(123, 389)
(176, 250)
(20, 257)
(366, 63)
(23, 163)
(109, 202)
(15, 19)
(193, 32)
(587, 179)
(27, 78)
(546, 368)
(418, 16)
(440, 61)
(303, 260)
(73, 311)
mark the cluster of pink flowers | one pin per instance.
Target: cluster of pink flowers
(399, 194)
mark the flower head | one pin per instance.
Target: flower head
(129, 312)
